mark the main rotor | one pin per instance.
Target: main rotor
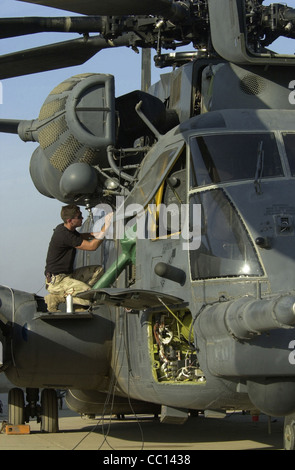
(153, 24)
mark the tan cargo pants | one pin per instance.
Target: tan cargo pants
(80, 280)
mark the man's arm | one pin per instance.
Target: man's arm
(92, 245)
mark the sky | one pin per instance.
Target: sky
(27, 217)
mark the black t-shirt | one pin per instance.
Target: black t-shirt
(62, 250)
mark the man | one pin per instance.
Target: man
(61, 278)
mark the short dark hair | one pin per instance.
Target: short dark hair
(69, 212)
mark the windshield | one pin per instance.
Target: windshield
(230, 157)
(289, 141)
(226, 249)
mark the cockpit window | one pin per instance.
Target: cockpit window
(230, 157)
(152, 178)
(289, 141)
(226, 249)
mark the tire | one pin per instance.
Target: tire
(49, 411)
(289, 433)
(16, 406)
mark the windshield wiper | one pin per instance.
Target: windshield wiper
(259, 168)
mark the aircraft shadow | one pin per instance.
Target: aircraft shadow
(231, 429)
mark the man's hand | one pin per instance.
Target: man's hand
(107, 223)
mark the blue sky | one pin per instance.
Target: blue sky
(27, 217)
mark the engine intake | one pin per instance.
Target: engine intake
(77, 124)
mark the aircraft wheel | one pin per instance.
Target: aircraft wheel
(49, 411)
(289, 433)
(16, 406)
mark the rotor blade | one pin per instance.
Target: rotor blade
(9, 125)
(56, 56)
(109, 7)
(12, 27)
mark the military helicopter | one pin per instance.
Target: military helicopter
(200, 315)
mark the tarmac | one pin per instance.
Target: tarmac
(145, 436)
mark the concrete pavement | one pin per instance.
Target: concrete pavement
(234, 432)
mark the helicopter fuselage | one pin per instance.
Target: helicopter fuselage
(190, 356)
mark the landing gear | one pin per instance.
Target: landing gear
(49, 413)
(16, 406)
(46, 413)
(289, 432)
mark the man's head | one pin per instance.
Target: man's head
(71, 212)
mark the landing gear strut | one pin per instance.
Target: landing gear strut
(46, 413)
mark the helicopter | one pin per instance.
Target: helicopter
(196, 307)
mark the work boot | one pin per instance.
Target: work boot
(80, 308)
(96, 276)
